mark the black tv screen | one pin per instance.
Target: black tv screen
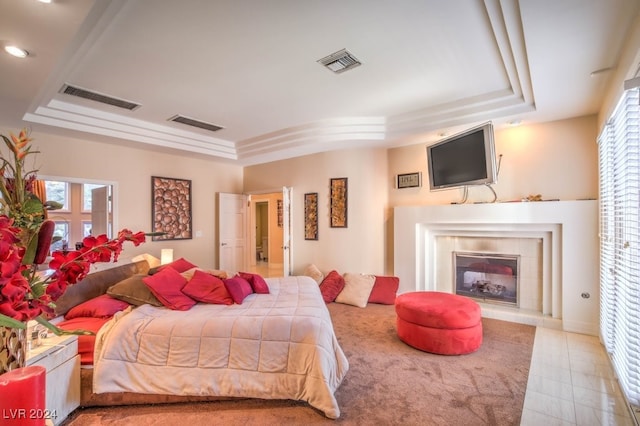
(467, 158)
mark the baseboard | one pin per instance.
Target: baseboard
(635, 414)
(634, 411)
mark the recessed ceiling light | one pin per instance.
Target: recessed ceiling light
(16, 51)
(514, 123)
(45, 1)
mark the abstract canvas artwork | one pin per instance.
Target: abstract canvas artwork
(171, 208)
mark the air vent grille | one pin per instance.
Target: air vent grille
(195, 123)
(340, 61)
(98, 97)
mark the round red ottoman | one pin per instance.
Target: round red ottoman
(440, 323)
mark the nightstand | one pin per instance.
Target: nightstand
(59, 355)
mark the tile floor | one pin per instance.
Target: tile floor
(267, 269)
(571, 382)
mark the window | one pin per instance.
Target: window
(619, 170)
(58, 191)
(60, 230)
(86, 228)
(73, 216)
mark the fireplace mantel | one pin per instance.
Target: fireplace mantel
(569, 230)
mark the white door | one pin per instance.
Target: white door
(100, 211)
(286, 230)
(232, 232)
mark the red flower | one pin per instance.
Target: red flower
(55, 289)
(13, 299)
(24, 294)
(10, 260)
(69, 267)
(7, 232)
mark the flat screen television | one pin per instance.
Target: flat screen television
(467, 158)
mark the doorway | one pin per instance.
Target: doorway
(267, 234)
(238, 236)
(262, 231)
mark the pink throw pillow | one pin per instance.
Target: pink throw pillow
(103, 306)
(258, 284)
(331, 286)
(384, 290)
(238, 288)
(167, 285)
(180, 265)
(207, 288)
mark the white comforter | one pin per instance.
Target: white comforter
(273, 346)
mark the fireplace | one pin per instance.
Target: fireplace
(490, 277)
(557, 242)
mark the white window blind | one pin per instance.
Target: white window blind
(619, 169)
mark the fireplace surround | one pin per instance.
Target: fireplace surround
(566, 233)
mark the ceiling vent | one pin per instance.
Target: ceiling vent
(98, 97)
(195, 123)
(340, 61)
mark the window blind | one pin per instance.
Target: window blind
(619, 174)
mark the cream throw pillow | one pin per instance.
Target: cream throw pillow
(313, 272)
(188, 274)
(357, 288)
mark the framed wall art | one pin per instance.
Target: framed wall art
(311, 216)
(409, 180)
(279, 212)
(171, 208)
(338, 198)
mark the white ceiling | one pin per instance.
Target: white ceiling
(428, 67)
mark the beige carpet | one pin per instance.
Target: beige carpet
(388, 383)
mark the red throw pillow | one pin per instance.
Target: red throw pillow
(331, 286)
(103, 306)
(86, 343)
(258, 284)
(207, 288)
(180, 265)
(167, 285)
(238, 288)
(384, 290)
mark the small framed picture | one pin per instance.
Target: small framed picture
(409, 180)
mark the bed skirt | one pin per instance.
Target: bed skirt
(90, 399)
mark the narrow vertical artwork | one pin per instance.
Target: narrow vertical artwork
(339, 201)
(311, 216)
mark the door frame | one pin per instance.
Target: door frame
(286, 192)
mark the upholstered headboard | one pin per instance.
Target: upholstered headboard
(96, 284)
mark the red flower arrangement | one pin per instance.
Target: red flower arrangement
(25, 238)
(26, 294)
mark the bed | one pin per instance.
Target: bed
(279, 345)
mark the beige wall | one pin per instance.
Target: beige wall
(555, 159)
(132, 168)
(558, 159)
(361, 246)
